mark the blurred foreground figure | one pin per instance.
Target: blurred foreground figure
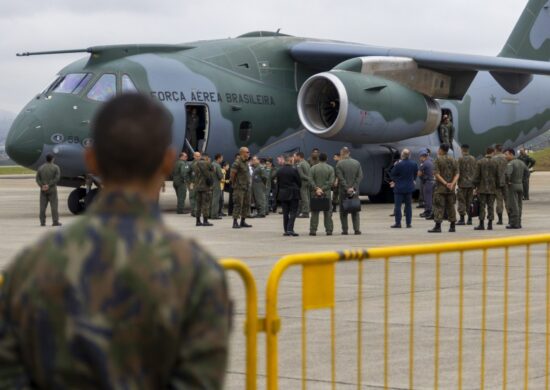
(117, 300)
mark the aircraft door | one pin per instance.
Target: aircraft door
(197, 127)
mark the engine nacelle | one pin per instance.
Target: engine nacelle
(349, 106)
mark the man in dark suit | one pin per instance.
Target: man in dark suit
(288, 194)
(403, 176)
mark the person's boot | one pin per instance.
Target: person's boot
(236, 224)
(481, 225)
(452, 228)
(499, 219)
(436, 228)
(469, 220)
(490, 225)
(461, 222)
(244, 224)
(199, 223)
(206, 223)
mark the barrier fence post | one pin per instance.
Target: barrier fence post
(251, 324)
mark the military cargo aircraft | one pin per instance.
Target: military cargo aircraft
(278, 94)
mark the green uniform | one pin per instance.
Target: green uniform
(48, 174)
(466, 170)
(312, 161)
(516, 171)
(179, 176)
(114, 301)
(446, 133)
(269, 175)
(322, 176)
(240, 181)
(500, 192)
(259, 181)
(530, 163)
(349, 174)
(487, 180)
(192, 188)
(204, 173)
(217, 176)
(444, 199)
(305, 175)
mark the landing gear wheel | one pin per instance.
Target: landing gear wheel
(76, 201)
(90, 196)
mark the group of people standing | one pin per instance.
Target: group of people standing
(256, 183)
(498, 179)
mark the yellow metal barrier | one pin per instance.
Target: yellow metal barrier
(251, 324)
(318, 292)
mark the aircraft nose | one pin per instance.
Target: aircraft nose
(24, 143)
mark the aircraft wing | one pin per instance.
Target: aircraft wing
(512, 74)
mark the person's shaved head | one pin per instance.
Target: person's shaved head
(131, 134)
(244, 153)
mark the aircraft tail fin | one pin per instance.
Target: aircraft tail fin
(531, 36)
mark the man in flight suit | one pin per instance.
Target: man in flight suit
(47, 177)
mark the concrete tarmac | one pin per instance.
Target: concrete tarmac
(261, 246)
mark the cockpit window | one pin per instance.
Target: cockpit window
(71, 83)
(104, 88)
(128, 84)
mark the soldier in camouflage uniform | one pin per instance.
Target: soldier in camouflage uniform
(486, 180)
(192, 190)
(530, 163)
(217, 193)
(466, 169)
(500, 192)
(444, 199)
(240, 181)
(446, 131)
(204, 180)
(47, 177)
(117, 300)
(322, 180)
(179, 176)
(270, 175)
(515, 174)
(304, 171)
(259, 182)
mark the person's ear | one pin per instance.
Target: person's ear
(90, 160)
(168, 162)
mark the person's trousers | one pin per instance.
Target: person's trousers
(464, 197)
(515, 205)
(181, 193)
(428, 190)
(290, 210)
(50, 197)
(486, 206)
(399, 199)
(344, 220)
(304, 203)
(215, 207)
(203, 204)
(241, 203)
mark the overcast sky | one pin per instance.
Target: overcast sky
(464, 26)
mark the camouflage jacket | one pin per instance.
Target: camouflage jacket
(501, 163)
(447, 168)
(467, 170)
(204, 176)
(240, 175)
(48, 174)
(487, 178)
(323, 177)
(114, 301)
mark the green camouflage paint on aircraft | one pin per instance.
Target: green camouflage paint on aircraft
(276, 94)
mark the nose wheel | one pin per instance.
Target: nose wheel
(79, 200)
(76, 201)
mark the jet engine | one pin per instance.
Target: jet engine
(349, 106)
